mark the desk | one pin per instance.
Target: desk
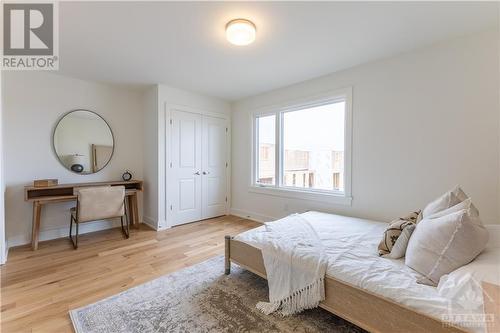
(62, 193)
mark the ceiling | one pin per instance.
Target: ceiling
(183, 44)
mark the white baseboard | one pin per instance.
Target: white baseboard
(156, 225)
(252, 215)
(150, 222)
(165, 226)
(4, 255)
(61, 232)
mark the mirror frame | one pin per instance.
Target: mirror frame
(54, 146)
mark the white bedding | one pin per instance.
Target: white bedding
(295, 263)
(351, 247)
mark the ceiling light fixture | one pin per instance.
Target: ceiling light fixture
(240, 32)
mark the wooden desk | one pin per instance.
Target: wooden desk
(64, 192)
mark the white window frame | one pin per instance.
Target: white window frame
(278, 189)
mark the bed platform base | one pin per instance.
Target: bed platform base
(360, 307)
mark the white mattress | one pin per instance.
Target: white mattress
(351, 245)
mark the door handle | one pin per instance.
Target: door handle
(197, 173)
(206, 172)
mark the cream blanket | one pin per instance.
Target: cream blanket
(295, 264)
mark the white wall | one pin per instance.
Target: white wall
(150, 157)
(422, 122)
(33, 102)
(498, 73)
(3, 246)
(158, 100)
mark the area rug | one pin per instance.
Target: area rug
(199, 299)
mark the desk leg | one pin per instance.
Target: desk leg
(37, 211)
(136, 211)
(133, 210)
(130, 211)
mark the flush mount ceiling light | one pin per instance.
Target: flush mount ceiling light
(240, 32)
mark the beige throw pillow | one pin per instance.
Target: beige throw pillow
(442, 244)
(393, 232)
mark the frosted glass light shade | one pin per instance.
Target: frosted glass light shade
(240, 32)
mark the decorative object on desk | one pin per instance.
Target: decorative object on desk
(76, 163)
(45, 182)
(78, 168)
(127, 176)
(83, 141)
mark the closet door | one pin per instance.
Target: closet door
(214, 168)
(186, 140)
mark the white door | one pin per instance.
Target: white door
(186, 167)
(214, 167)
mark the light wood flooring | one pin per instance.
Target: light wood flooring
(38, 288)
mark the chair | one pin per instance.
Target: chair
(98, 203)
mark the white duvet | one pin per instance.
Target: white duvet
(351, 248)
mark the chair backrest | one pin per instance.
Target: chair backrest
(100, 202)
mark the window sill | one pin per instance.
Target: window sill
(330, 198)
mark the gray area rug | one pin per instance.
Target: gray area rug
(199, 299)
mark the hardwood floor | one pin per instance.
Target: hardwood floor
(38, 288)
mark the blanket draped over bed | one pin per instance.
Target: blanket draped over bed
(295, 263)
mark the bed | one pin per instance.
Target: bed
(377, 294)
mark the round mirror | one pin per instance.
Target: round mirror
(83, 141)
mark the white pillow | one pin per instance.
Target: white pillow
(447, 200)
(466, 204)
(440, 245)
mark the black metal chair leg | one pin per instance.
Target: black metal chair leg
(127, 218)
(70, 226)
(125, 231)
(74, 242)
(76, 238)
(128, 225)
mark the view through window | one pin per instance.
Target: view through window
(266, 127)
(312, 148)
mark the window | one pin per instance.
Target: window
(305, 147)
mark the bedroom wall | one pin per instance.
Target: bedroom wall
(3, 245)
(423, 122)
(498, 72)
(33, 102)
(150, 157)
(157, 98)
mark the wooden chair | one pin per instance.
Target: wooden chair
(98, 203)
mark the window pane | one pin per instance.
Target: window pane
(313, 142)
(266, 137)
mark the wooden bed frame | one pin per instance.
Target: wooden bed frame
(360, 307)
